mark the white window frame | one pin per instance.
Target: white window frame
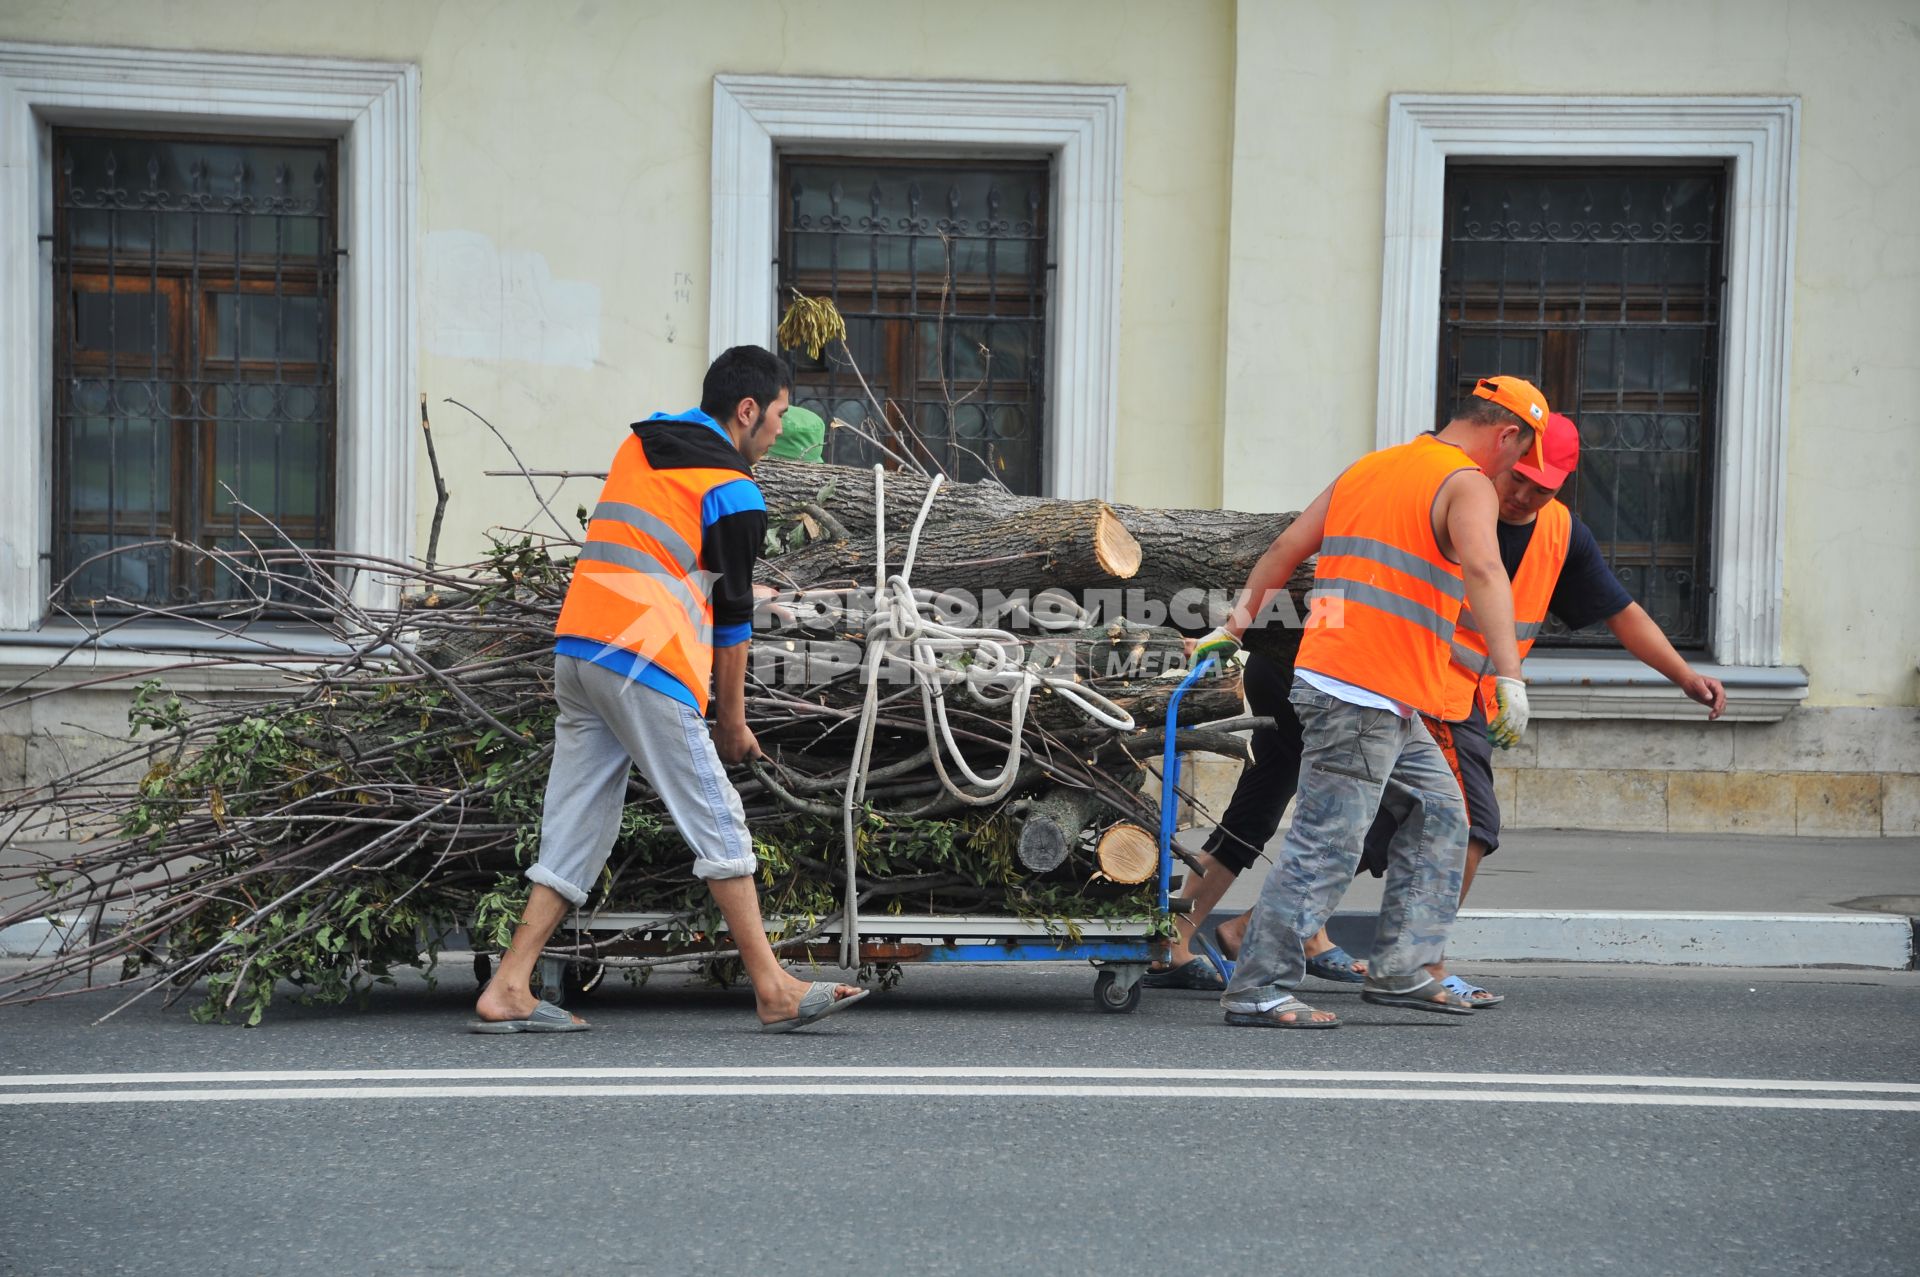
(1759, 138)
(1079, 125)
(372, 108)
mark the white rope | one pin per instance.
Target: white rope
(988, 662)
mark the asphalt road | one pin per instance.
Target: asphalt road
(961, 1124)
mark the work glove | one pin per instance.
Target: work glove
(1216, 642)
(1510, 712)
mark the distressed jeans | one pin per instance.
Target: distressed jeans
(1354, 763)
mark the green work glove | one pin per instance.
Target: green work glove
(1216, 642)
(1510, 712)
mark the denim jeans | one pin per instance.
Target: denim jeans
(1354, 763)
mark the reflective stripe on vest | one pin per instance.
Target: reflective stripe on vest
(1533, 587)
(697, 606)
(637, 585)
(1402, 596)
(683, 556)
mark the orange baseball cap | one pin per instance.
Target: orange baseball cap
(1523, 399)
(1562, 449)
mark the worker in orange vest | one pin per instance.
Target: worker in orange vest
(655, 627)
(1556, 567)
(1405, 538)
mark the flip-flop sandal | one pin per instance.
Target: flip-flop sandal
(1473, 993)
(1431, 996)
(1195, 973)
(1270, 1018)
(817, 1003)
(546, 1018)
(1336, 964)
(1212, 953)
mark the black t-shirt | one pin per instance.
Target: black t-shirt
(1587, 591)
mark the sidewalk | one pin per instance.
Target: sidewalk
(1703, 899)
(1556, 895)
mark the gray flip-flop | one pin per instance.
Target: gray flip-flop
(1431, 996)
(816, 1003)
(1271, 1017)
(546, 1018)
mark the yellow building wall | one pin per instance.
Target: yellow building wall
(564, 194)
(1311, 88)
(565, 150)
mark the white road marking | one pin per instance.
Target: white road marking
(996, 1091)
(957, 1072)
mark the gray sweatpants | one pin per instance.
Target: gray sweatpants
(607, 724)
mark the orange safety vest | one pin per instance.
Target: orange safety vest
(1532, 591)
(1402, 595)
(637, 584)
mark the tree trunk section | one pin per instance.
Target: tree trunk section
(1058, 544)
(1052, 827)
(1128, 853)
(1184, 555)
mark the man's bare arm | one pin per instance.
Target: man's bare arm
(1642, 636)
(1283, 558)
(1470, 512)
(732, 738)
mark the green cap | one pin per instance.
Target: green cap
(803, 436)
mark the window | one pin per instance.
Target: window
(940, 271)
(1602, 285)
(1077, 128)
(1754, 141)
(194, 360)
(367, 115)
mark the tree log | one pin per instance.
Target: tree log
(1184, 555)
(1128, 853)
(1136, 667)
(1053, 824)
(1071, 544)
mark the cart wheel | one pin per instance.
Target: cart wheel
(482, 968)
(1111, 997)
(582, 978)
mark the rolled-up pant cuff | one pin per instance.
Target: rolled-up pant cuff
(1254, 1001)
(547, 878)
(745, 867)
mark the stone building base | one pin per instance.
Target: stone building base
(1820, 771)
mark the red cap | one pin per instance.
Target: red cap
(1562, 448)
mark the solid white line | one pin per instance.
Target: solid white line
(968, 1072)
(958, 1091)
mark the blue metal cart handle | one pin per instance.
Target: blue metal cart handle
(1170, 776)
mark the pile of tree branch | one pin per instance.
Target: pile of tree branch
(390, 793)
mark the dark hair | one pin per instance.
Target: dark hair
(1485, 412)
(743, 372)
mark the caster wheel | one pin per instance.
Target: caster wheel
(582, 978)
(482, 968)
(1111, 997)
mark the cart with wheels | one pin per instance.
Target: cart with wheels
(1120, 949)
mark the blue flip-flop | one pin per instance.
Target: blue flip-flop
(1472, 992)
(1336, 964)
(1195, 973)
(1211, 952)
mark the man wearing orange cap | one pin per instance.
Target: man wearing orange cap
(1557, 569)
(1405, 538)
